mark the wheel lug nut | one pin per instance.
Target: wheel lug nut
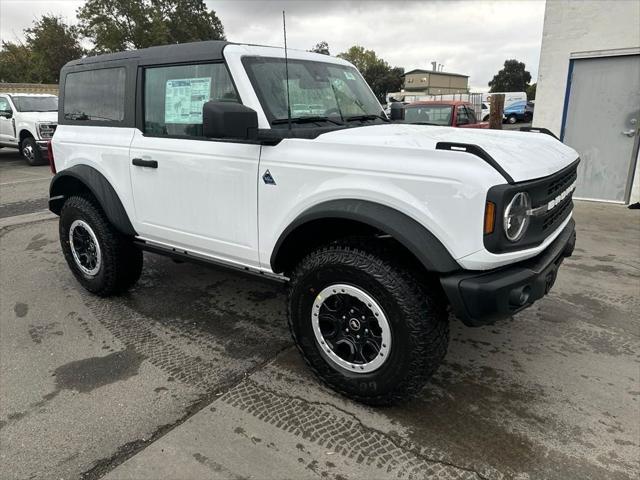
(357, 336)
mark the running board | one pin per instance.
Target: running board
(187, 256)
(478, 152)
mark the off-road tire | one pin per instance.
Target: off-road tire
(35, 158)
(416, 313)
(121, 261)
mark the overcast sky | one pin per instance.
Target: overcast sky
(469, 37)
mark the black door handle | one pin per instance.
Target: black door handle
(138, 162)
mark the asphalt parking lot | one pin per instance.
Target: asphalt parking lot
(193, 374)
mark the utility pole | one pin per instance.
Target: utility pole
(497, 108)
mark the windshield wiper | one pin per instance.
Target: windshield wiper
(366, 117)
(310, 119)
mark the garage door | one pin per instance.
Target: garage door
(602, 124)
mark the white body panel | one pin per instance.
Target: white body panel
(209, 198)
(104, 148)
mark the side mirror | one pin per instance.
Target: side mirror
(397, 111)
(6, 113)
(229, 120)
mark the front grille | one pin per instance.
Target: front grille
(559, 213)
(542, 191)
(559, 185)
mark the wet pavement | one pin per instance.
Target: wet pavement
(193, 375)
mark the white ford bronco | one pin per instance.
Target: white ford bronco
(27, 122)
(229, 154)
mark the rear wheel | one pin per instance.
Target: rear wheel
(31, 152)
(512, 119)
(364, 325)
(103, 260)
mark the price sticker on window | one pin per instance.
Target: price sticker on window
(184, 99)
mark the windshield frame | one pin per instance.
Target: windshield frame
(15, 99)
(331, 121)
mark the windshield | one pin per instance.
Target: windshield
(431, 114)
(35, 104)
(316, 89)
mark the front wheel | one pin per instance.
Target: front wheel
(31, 152)
(104, 261)
(364, 325)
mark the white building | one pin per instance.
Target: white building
(588, 91)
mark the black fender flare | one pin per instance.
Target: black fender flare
(415, 237)
(65, 183)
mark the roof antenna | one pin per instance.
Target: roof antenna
(286, 69)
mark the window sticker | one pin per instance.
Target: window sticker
(348, 75)
(184, 99)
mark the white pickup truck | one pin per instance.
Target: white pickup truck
(27, 122)
(197, 151)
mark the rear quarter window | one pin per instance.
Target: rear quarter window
(95, 95)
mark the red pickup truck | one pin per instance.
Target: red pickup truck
(443, 113)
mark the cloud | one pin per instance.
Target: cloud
(469, 37)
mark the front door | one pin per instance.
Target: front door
(191, 192)
(6, 122)
(602, 125)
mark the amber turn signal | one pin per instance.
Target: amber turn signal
(489, 217)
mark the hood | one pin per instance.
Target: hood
(38, 116)
(523, 155)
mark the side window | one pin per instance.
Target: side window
(174, 96)
(95, 95)
(463, 118)
(5, 108)
(471, 114)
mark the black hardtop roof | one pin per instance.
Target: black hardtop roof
(175, 53)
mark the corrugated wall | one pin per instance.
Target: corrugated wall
(29, 88)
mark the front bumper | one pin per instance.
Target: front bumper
(44, 149)
(480, 298)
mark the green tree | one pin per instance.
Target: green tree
(116, 25)
(379, 75)
(321, 47)
(512, 78)
(16, 64)
(362, 59)
(52, 44)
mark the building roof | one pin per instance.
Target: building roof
(418, 70)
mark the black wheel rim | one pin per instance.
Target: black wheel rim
(351, 328)
(85, 247)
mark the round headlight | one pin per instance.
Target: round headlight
(516, 219)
